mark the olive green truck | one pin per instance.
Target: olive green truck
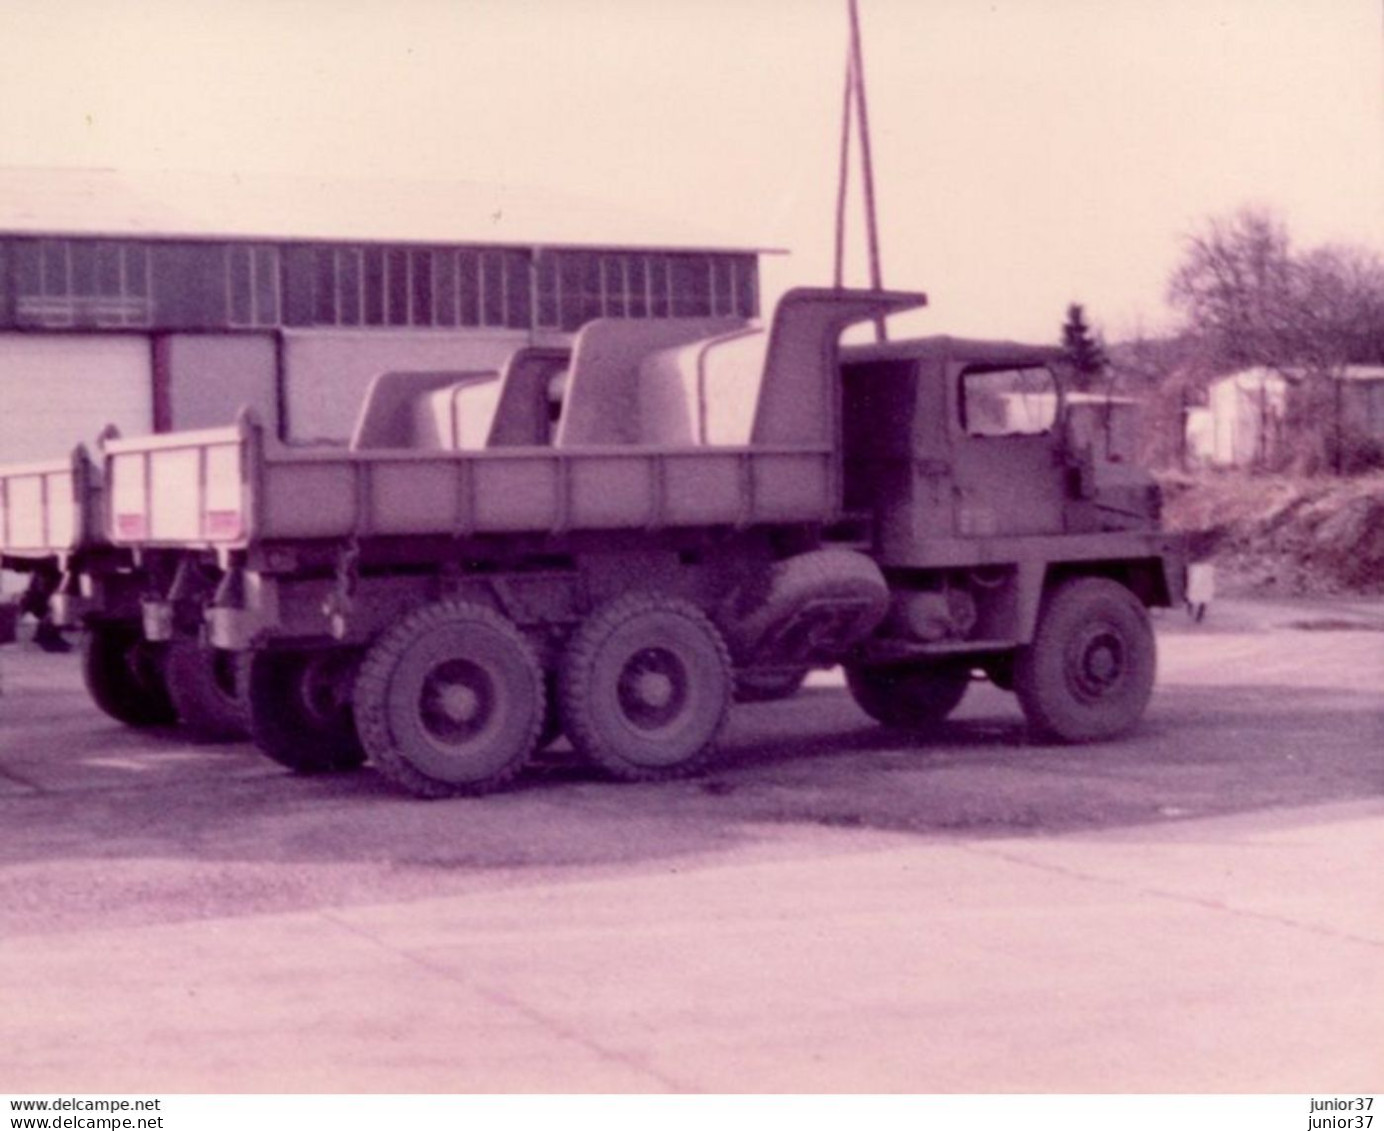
(605, 541)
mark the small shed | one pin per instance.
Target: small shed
(1248, 412)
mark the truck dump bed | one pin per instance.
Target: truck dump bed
(235, 486)
(600, 469)
(50, 508)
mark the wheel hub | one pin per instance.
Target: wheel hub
(1096, 665)
(456, 702)
(653, 688)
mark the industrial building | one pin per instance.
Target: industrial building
(157, 302)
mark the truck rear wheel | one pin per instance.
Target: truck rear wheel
(124, 674)
(645, 688)
(1089, 672)
(300, 709)
(450, 700)
(909, 696)
(203, 686)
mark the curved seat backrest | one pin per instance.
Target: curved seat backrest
(419, 409)
(703, 393)
(602, 401)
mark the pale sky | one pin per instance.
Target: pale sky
(1028, 153)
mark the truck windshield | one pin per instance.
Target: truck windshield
(1008, 402)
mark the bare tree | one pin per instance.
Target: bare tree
(1339, 293)
(1235, 287)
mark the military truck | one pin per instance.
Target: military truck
(52, 529)
(596, 541)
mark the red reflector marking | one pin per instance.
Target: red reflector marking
(223, 524)
(131, 526)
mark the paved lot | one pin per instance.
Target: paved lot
(1197, 908)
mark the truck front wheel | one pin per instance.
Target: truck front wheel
(910, 696)
(204, 687)
(300, 710)
(124, 674)
(450, 700)
(645, 688)
(1089, 672)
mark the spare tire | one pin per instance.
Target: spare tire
(815, 606)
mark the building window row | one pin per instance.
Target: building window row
(201, 285)
(576, 287)
(253, 285)
(381, 286)
(77, 283)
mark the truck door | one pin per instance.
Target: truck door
(1007, 472)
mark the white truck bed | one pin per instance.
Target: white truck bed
(231, 487)
(639, 444)
(50, 508)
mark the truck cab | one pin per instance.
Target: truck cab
(983, 485)
(948, 441)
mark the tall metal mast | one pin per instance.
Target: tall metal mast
(855, 105)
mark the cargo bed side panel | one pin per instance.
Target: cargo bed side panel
(48, 508)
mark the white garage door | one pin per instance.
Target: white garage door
(57, 391)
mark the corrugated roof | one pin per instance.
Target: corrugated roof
(178, 204)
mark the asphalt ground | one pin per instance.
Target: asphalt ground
(831, 907)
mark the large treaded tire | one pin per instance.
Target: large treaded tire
(124, 674)
(299, 708)
(645, 688)
(795, 582)
(1089, 672)
(910, 696)
(450, 701)
(205, 690)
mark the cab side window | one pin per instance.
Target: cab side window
(1008, 402)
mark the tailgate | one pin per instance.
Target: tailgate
(49, 508)
(184, 488)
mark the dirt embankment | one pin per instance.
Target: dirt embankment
(1281, 533)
